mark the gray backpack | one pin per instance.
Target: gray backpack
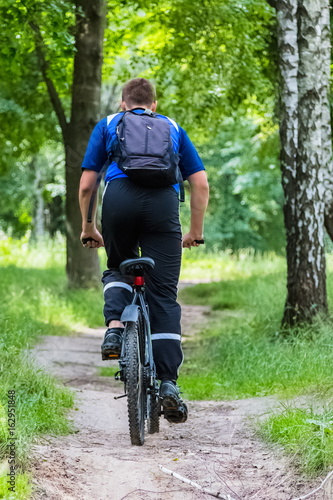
(144, 151)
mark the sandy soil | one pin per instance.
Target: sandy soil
(217, 446)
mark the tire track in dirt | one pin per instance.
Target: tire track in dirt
(216, 447)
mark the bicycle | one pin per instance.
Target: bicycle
(136, 362)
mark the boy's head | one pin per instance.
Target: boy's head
(139, 92)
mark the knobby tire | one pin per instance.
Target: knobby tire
(153, 412)
(135, 387)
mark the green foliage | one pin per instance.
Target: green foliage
(245, 209)
(25, 111)
(305, 435)
(224, 48)
(37, 177)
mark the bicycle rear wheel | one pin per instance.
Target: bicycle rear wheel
(153, 411)
(135, 383)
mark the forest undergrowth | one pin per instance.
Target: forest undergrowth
(243, 352)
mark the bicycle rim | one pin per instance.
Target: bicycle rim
(135, 387)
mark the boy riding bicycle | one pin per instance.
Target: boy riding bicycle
(135, 216)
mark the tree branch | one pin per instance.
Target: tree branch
(308, 495)
(44, 66)
(196, 485)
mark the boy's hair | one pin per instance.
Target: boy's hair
(139, 91)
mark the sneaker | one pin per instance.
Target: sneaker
(111, 346)
(174, 408)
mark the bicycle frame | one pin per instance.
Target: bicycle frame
(136, 361)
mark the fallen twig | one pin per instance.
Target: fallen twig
(195, 485)
(308, 495)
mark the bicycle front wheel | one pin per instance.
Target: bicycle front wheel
(153, 411)
(135, 383)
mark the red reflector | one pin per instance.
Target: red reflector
(139, 281)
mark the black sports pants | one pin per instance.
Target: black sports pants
(136, 217)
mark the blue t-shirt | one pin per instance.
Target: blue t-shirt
(103, 140)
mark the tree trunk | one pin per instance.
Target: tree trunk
(326, 117)
(82, 264)
(38, 218)
(301, 132)
(288, 63)
(307, 295)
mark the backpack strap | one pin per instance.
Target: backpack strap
(149, 112)
(181, 190)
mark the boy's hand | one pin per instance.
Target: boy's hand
(93, 238)
(191, 240)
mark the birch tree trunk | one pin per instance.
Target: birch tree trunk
(288, 63)
(307, 293)
(326, 117)
(304, 129)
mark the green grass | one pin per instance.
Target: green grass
(243, 351)
(305, 435)
(33, 285)
(108, 371)
(35, 301)
(199, 265)
(23, 488)
(41, 404)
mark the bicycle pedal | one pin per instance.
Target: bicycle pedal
(109, 356)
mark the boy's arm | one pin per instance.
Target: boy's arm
(199, 201)
(89, 230)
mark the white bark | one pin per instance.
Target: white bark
(327, 163)
(288, 54)
(310, 203)
(305, 149)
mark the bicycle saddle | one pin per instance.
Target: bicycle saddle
(136, 267)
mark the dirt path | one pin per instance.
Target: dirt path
(216, 447)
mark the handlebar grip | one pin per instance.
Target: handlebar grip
(200, 242)
(85, 240)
